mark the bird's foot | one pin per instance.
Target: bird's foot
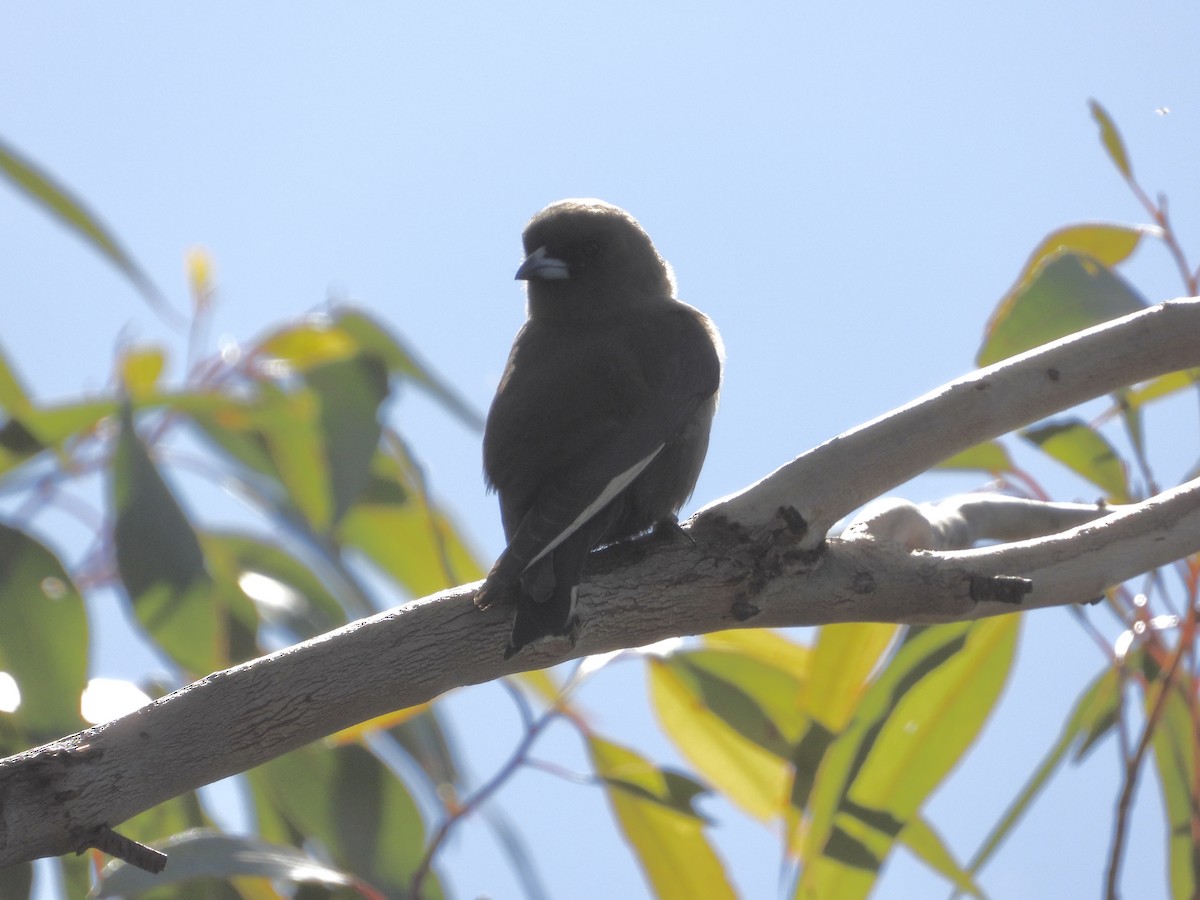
(670, 528)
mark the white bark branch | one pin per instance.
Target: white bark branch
(834, 479)
(755, 559)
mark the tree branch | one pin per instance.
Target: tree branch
(754, 559)
(827, 483)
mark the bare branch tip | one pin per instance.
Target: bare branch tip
(129, 851)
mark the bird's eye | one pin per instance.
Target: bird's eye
(591, 249)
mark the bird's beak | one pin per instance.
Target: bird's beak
(538, 265)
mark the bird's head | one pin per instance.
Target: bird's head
(588, 257)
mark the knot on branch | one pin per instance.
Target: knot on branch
(1009, 589)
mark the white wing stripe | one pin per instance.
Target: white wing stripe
(614, 487)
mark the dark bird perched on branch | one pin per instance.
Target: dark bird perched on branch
(600, 424)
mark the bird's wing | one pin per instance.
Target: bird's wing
(622, 416)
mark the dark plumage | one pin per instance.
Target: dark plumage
(601, 420)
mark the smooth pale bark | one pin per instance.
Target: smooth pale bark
(754, 559)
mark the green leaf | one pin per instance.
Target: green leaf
(1174, 745)
(350, 393)
(309, 343)
(205, 853)
(71, 212)
(36, 429)
(917, 718)
(402, 533)
(169, 817)
(1108, 243)
(1090, 718)
(240, 426)
(1163, 386)
(291, 431)
(428, 744)
(733, 682)
(764, 645)
(1085, 452)
(927, 845)
(14, 399)
(669, 843)
(160, 561)
(843, 659)
(44, 641)
(354, 806)
(723, 733)
(1067, 293)
(374, 338)
(140, 369)
(1111, 138)
(285, 591)
(990, 457)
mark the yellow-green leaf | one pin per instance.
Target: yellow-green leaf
(1091, 717)
(292, 432)
(752, 777)
(1067, 293)
(670, 845)
(764, 645)
(412, 541)
(55, 199)
(927, 845)
(161, 563)
(1084, 451)
(1111, 138)
(1174, 745)
(350, 802)
(44, 638)
(350, 393)
(990, 457)
(843, 659)
(140, 370)
(376, 339)
(932, 725)
(1163, 386)
(14, 399)
(312, 342)
(915, 721)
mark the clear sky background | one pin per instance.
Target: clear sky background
(847, 189)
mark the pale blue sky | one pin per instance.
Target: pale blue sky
(847, 189)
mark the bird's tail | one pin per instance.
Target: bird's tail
(535, 620)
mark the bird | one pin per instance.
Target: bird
(601, 420)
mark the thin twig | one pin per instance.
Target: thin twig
(1133, 768)
(519, 755)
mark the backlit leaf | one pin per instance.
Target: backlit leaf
(670, 845)
(44, 638)
(40, 187)
(140, 370)
(376, 339)
(927, 845)
(1066, 294)
(414, 542)
(843, 659)
(916, 719)
(1174, 745)
(749, 774)
(205, 853)
(990, 457)
(160, 561)
(1084, 451)
(344, 798)
(1111, 138)
(1090, 718)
